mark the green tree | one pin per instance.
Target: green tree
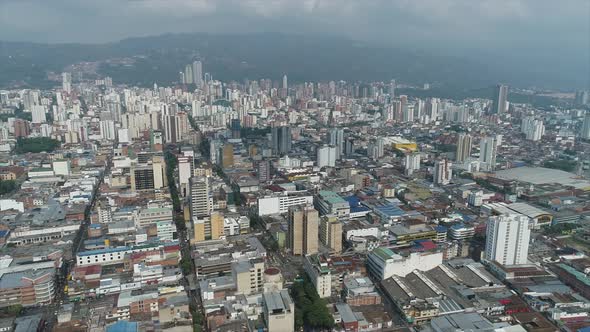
(36, 145)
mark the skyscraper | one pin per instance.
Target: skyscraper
(507, 240)
(235, 128)
(331, 232)
(442, 172)
(227, 155)
(500, 99)
(532, 128)
(281, 140)
(285, 86)
(463, 147)
(198, 73)
(188, 74)
(337, 139)
(66, 82)
(303, 225)
(200, 198)
(487, 153)
(585, 132)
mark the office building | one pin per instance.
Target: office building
(235, 128)
(507, 240)
(383, 263)
(326, 156)
(66, 82)
(331, 232)
(316, 267)
(464, 142)
(303, 223)
(500, 99)
(582, 97)
(279, 311)
(442, 172)
(159, 167)
(281, 140)
(487, 153)
(142, 177)
(200, 197)
(285, 86)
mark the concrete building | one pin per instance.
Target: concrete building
(329, 202)
(248, 275)
(383, 263)
(487, 153)
(279, 311)
(281, 203)
(442, 172)
(464, 143)
(209, 227)
(201, 201)
(500, 99)
(303, 225)
(412, 163)
(507, 240)
(326, 156)
(331, 232)
(317, 269)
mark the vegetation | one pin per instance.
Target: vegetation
(171, 163)
(559, 229)
(445, 147)
(310, 309)
(7, 186)
(36, 145)
(222, 102)
(11, 311)
(19, 113)
(564, 165)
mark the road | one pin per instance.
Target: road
(50, 311)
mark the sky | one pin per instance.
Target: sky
(528, 32)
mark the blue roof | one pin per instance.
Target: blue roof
(123, 326)
(355, 204)
(440, 229)
(96, 226)
(3, 233)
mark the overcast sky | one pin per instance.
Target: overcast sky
(555, 32)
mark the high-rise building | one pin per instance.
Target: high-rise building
(200, 197)
(209, 227)
(159, 167)
(463, 147)
(279, 311)
(326, 156)
(500, 99)
(38, 114)
(281, 140)
(235, 128)
(507, 240)
(487, 153)
(142, 178)
(582, 97)
(585, 132)
(532, 128)
(376, 148)
(198, 73)
(337, 139)
(303, 225)
(285, 86)
(331, 232)
(66, 82)
(21, 128)
(188, 74)
(227, 155)
(248, 275)
(442, 172)
(412, 163)
(263, 170)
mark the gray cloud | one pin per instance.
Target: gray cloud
(548, 31)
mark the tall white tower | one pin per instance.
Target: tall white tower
(507, 240)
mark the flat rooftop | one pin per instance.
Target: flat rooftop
(541, 175)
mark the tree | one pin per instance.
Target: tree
(36, 145)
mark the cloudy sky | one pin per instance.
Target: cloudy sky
(550, 32)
